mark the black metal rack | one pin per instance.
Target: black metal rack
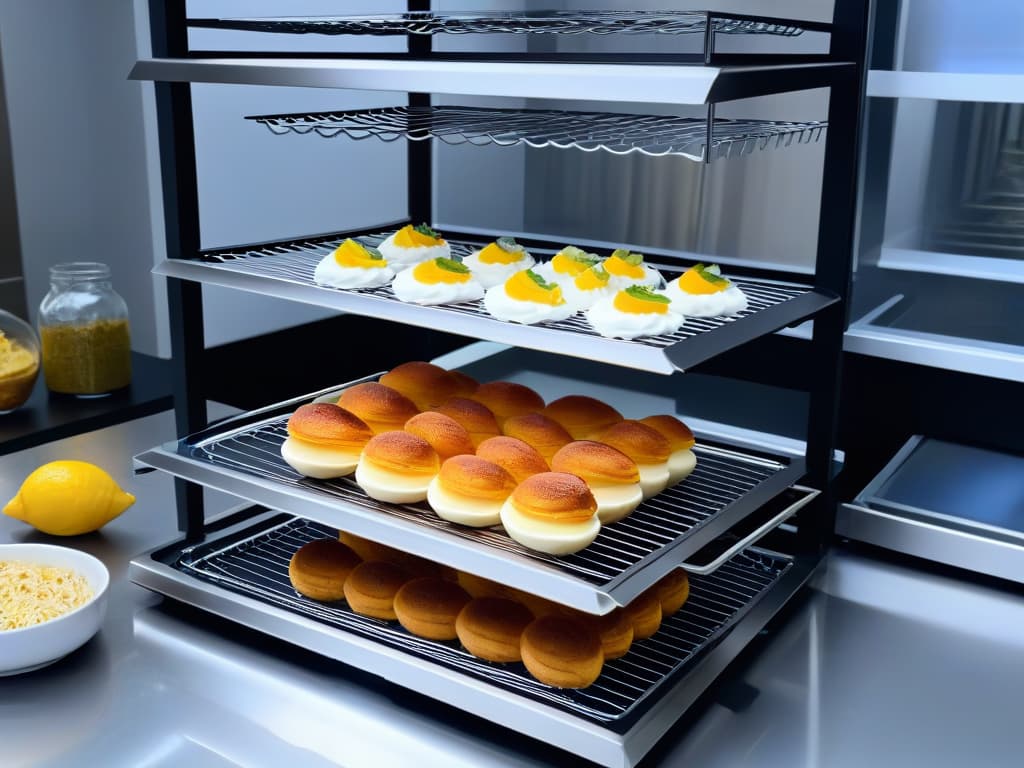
(271, 268)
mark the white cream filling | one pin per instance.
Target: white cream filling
(330, 273)
(318, 461)
(610, 322)
(727, 302)
(394, 487)
(456, 508)
(550, 537)
(652, 278)
(400, 258)
(680, 465)
(653, 478)
(504, 307)
(410, 290)
(614, 502)
(491, 275)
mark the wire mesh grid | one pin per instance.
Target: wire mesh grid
(258, 568)
(620, 134)
(295, 262)
(509, 22)
(721, 478)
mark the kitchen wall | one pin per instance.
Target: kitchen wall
(12, 283)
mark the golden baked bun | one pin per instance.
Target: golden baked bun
(413, 564)
(682, 460)
(465, 385)
(672, 591)
(371, 588)
(320, 568)
(428, 607)
(491, 627)
(478, 586)
(507, 399)
(470, 491)
(426, 384)
(514, 456)
(615, 630)
(645, 614)
(553, 512)
(382, 408)
(611, 475)
(476, 418)
(581, 415)
(644, 445)
(397, 467)
(562, 652)
(324, 441)
(537, 430)
(445, 434)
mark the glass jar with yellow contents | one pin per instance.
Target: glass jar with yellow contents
(83, 324)
(19, 361)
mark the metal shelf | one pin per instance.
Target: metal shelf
(285, 270)
(243, 575)
(620, 134)
(627, 83)
(242, 457)
(517, 23)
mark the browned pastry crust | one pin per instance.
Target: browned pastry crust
(514, 456)
(426, 384)
(320, 568)
(329, 425)
(507, 399)
(536, 429)
(672, 591)
(402, 453)
(562, 652)
(476, 478)
(596, 463)
(428, 607)
(643, 444)
(645, 614)
(413, 564)
(581, 415)
(476, 418)
(382, 408)
(371, 589)
(490, 627)
(464, 385)
(445, 434)
(554, 497)
(672, 429)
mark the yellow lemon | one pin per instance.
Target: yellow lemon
(67, 498)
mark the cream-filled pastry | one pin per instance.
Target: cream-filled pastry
(445, 434)
(476, 418)
(582, 416)
(566, 264)
(553, 512)
(702, 292)
(611, 475)
(537, 430)
(507, 399)
(397, 467)
(514, 456)
(682, 460)
(324, 441)
(644, 445)
(353, 265)
(633, 312)
(426, 384)
(585, 289)
(527, 298)
(465, 385)
(437, 281)
(497, 262)
(411, 245)
(628, 269)
(382, 408)
(470, 491)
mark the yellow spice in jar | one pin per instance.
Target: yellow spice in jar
(87, 358)
(18, 369)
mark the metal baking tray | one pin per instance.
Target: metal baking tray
(242, 574)
(241, 456)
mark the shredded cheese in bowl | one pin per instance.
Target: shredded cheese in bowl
(32, 594)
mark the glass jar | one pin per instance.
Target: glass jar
(83, 324)
(19, 361)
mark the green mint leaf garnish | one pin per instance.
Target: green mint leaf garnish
(509, 245)
(633, 259)
(579, 255)
(451, 265)
(601, 272)
(375, 255)
(710, 276)
(425, 229)
(644, 293)
(541, 281)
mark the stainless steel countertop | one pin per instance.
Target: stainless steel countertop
(878, 665)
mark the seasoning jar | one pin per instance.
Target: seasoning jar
(19, 361)
(83, 324)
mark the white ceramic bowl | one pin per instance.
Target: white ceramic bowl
(28, 648)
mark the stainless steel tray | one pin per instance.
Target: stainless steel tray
(242, 575)
(242, 457)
